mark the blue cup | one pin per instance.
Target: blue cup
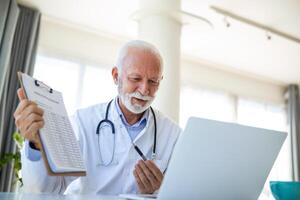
(285, 190)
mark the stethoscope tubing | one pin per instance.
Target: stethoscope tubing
(111, 124)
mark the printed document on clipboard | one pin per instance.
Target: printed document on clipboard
(60, 149)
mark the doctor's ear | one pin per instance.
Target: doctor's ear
(115, 75)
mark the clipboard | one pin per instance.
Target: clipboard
(45, 155)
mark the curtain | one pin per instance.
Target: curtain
(22, 58)
(293, 102)
(9, 12)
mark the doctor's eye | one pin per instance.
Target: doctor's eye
(135, 79)
(154, 82)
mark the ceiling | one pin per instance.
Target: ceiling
(240, 47)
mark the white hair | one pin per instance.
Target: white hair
(137, 44)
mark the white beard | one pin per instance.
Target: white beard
(135, 108)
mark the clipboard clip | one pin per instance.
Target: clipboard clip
(43, 85)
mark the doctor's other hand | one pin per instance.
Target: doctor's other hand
(148, 176)
(28, 119)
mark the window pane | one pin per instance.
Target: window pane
(205, 104)
(261, 115)
(98, 86)
(61, 75)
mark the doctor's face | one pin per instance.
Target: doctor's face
(139, 80)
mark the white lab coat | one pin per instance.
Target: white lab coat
(114, 179)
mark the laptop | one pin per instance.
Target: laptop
(219, 160)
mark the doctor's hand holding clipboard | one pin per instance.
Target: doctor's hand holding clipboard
(29, 119)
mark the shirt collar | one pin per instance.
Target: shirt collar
(124, 121)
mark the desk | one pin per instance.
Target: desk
(24, 196)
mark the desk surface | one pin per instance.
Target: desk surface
(24, 196)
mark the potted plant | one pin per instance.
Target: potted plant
(14, 158)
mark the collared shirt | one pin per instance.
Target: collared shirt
(136, 128)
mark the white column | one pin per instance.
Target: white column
(158, 26)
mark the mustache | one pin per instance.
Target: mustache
(140, 96)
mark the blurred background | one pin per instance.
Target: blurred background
(234, 61)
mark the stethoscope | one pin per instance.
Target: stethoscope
(112, 126)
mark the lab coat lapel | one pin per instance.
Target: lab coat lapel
(146, 137)
(149, 121)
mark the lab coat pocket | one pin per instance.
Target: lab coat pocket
(161, 164)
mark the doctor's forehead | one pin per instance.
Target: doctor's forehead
(142, 61)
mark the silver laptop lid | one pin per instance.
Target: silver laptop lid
(218, 160)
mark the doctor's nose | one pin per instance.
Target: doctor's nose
(144, 89)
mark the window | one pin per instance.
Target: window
(261, 115)
(97, 86)
(205, 104)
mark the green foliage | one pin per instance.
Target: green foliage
(14, 158)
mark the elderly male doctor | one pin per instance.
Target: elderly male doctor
(114, 162)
